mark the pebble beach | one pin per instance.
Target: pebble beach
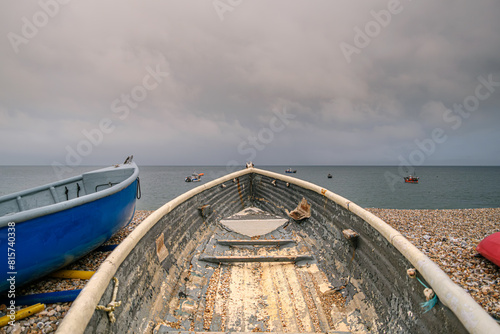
(448, 237)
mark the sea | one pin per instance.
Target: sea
(439, 187)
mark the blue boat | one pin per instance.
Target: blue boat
(46, 228)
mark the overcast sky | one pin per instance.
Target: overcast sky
(226, 81)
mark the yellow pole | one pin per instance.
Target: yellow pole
(81, 274)
(21, 314)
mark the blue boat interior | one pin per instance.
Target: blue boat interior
(64, 190)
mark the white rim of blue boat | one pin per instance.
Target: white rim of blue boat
(474, 318)
(36, 212)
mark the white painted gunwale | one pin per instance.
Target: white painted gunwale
(22, 216)
(474, 318)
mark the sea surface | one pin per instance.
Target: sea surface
(439, 187)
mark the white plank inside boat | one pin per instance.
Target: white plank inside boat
(253, 228)
(253, 222)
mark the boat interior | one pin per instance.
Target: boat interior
(256, 274)
(258, 252)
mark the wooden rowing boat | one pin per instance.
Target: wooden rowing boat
(256, 251)
(46, 228)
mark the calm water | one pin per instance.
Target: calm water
(439, 187)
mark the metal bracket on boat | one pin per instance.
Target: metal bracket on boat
(110, 308)
(352, 236)
(128, 160)
(302, 211)
(203, 210)
(412, 272)
(105, 184)
(161, 250)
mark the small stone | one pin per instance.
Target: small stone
(16, 329)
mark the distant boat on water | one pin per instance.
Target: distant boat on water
(195, 177)
(411, 179)
(289, 171)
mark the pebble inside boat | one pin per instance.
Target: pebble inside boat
(256, 251)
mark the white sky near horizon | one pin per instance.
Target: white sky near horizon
(222, 82)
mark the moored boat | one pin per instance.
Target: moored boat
(411, 179)
(195, 177)
(45, 228)
(256, 251)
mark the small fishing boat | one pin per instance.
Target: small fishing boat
(329, 176)
(46, 228)
(195, 177)
(289, 171)
(411, 179)
(258, 251)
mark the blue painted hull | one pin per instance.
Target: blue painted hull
(50, 242)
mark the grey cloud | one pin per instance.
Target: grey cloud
(227, 78)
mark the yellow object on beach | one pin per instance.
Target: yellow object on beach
(21, 314)
(81, 274)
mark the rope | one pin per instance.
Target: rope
(431, 297)
(139, 193)
(110, 308)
